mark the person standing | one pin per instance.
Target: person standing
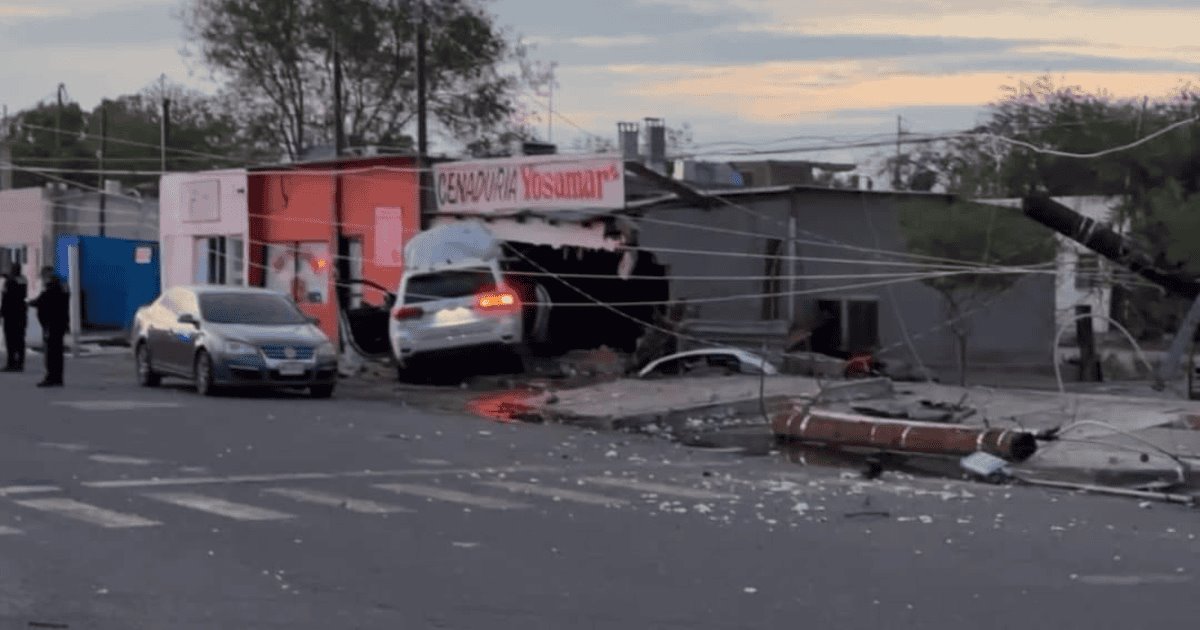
(54, 314)
(12, 311)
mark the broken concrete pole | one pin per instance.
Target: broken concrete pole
(843, 429)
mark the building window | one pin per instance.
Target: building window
(299, 270)
(772, 286)
(846, 326)
(12, 254)
(1088, 271)
(219, 260)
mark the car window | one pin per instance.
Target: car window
(251, 309)
(454, 283)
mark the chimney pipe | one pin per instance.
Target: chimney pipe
(656, 144)
(627, 138)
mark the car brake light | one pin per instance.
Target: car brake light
(407, 312)
(496, 301)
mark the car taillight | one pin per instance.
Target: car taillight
(496, 301)
(407, 312)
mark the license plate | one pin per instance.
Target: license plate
(292, 369)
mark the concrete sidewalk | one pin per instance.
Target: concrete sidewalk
(1102, 452)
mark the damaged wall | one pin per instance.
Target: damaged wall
(1016, 330)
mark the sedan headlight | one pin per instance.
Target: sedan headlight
(326, 351)
(240, 348)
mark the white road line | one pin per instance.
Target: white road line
(286, 477)
(649, 487)
(12, 490)
(121, 459)
(452, 496)
(79, 511)
(361, 506)
(220, 507)
(9, 531)
(116, 405)
(558, 494)
(65, 446)
(198, 481)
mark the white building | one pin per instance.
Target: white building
(204, 228)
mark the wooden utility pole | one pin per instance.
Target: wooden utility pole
(342, 260)
(58, 117)
(164, 132)
(422, 106)
(896, 168)
(103, 149)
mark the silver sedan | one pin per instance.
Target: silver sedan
(222, 337)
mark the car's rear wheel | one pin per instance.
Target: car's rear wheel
(321, 391)
(203, 375)
(146, 375)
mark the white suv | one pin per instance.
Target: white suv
(454, 306)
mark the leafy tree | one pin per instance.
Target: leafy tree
(278, 57)
(992, 236)
(1157, 179)
(201, 136)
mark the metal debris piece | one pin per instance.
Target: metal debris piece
(985, 466)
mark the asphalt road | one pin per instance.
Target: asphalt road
(128, 508)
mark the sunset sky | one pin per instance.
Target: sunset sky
(736, 70)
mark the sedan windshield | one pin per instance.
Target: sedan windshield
(242, 308)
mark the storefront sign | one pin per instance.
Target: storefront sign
(558, 182)
(389, 237)
(143, 255)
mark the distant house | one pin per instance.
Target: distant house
(805, 255)
(35, 218)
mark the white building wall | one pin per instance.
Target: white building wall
(195, 205)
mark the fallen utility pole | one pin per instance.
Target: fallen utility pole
(1119, 249)
(844, 429)
(1104, 241)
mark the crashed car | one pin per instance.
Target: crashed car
(454, 296)
(707, 362)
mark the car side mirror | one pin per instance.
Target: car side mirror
(188, 319)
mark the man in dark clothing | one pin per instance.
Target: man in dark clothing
(54, 313)
(12, 311)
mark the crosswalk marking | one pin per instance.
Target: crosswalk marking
(361, 506)
(589, 498)
(120, 459)
(452, 496)
(9, 531)
(220, 507)
(658, 488)
(11, 490)
(79, 511)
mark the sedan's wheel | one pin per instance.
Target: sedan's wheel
(321, 391)
(204, 375)
(146, 375)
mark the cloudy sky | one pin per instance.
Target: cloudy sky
(736, 70)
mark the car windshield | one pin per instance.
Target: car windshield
(242, 308)
(455, 283)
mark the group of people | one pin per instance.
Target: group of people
(54, 312)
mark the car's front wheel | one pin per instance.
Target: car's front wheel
(203, 375)
(146, 375)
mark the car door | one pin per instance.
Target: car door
(160, 320)
(181, 342)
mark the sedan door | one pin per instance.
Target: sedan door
(180, 343)
(160, 320)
